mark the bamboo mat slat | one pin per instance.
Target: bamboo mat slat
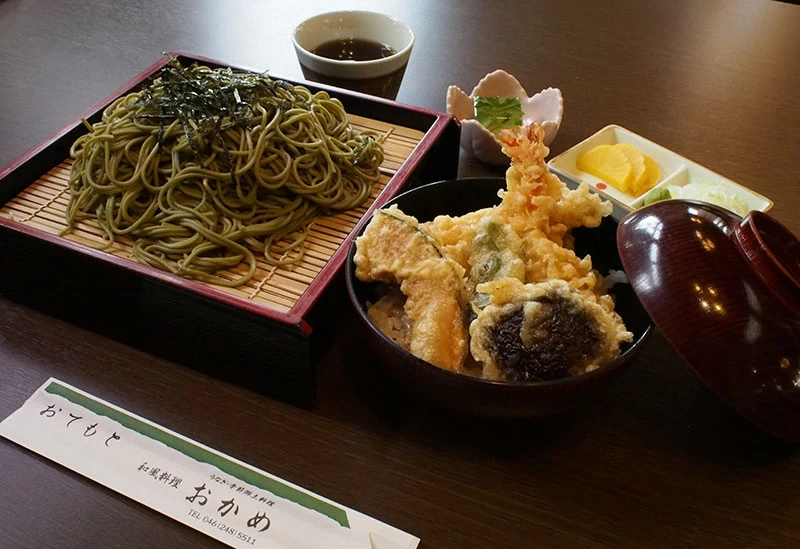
(43, 205)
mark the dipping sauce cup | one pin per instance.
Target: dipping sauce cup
(358, 50)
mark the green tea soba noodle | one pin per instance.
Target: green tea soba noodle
(207, 168)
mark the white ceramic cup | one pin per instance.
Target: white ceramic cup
(381, 76)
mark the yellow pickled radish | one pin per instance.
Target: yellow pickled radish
(609, 164)
(652, 175)
(638, 170)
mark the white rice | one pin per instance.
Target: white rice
(390, 318)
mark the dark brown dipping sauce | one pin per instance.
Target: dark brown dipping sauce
(353, 49)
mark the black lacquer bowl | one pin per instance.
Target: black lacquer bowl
(479, 397)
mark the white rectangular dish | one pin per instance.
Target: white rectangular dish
(675, 170)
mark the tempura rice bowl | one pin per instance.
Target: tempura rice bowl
(473, 395)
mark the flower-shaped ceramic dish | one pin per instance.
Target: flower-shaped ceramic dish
(546, 107)
(725, 291)
(481, 397)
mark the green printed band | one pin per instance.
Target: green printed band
(204, 456)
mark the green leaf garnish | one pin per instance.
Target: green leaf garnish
(498, 113)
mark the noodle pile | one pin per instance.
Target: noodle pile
(205, 168)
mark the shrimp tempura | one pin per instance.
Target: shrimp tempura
(542, 210)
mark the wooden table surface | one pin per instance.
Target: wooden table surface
(658, 461)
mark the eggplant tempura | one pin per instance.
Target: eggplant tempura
(502, 281)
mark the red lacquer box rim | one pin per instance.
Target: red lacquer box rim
(297, 313)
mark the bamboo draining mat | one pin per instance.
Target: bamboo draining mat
(43, 205)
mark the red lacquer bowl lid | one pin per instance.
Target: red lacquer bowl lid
(725, 291)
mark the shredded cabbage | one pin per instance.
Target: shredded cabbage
(718, 194)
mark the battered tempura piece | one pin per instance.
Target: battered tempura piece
(542, 210)
(543, 331)
(535, 309)
(394, 250)
(495, 253)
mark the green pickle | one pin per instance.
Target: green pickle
(657, 195)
